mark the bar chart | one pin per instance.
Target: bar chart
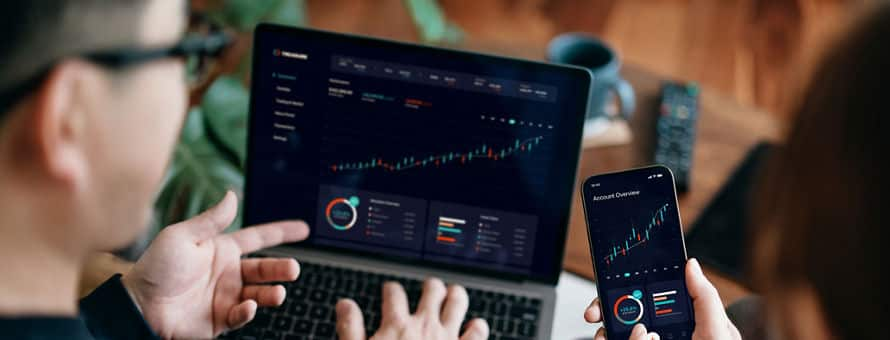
(450, 231)
(664, 303)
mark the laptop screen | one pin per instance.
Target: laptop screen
(416, 154)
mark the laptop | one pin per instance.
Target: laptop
(411, 162)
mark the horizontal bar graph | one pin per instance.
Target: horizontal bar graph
(451, 221)
(663, 294)
(663, 311)
(449, 231)
(664, 303)
(446, 239)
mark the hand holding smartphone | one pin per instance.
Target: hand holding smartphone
(638, 252)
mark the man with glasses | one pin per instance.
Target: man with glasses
(92, 97)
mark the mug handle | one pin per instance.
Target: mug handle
(626, 97)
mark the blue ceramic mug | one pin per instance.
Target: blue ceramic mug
(593, 54)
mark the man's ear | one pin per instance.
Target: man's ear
(58, 122)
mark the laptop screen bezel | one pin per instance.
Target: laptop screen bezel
(581, 81)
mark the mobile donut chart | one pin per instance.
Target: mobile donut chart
(628, 308)
(341, 213)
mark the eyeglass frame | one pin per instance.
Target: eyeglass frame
(201, 46)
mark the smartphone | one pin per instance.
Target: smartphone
(638, 252)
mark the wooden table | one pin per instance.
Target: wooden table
(726, 131)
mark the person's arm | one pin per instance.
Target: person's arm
(110, 313)
(192, 282)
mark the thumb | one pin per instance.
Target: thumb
(639, 332)
(709, 312)
(240, 314)
(350, 322)
(212, 221)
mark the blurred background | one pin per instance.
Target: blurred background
(748, 49)
(753, 51)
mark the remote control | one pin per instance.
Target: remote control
(675, 130)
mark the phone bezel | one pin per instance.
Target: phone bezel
(646, 169)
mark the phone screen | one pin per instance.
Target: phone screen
(636, 241)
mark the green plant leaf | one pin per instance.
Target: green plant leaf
(208, 158)
(243, 14)
(288, 12)
(198, 177)
(225, 107)
(432, 24)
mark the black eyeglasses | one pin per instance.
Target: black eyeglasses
(196, 50)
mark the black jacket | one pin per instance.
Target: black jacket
(107, 313)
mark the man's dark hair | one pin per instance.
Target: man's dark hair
(34, 34)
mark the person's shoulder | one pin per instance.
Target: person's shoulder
(43, 327)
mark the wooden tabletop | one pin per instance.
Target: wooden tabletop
(725, 133)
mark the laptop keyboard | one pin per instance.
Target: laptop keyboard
(308, 312)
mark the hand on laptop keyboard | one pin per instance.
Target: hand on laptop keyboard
(439, 315)
(309, 311)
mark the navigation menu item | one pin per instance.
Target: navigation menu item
(442, 78)
(285, 107)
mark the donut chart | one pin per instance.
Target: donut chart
(341, 213)
(628, 308)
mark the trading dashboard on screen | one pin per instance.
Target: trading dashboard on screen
(414, 153)
(638, 252)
